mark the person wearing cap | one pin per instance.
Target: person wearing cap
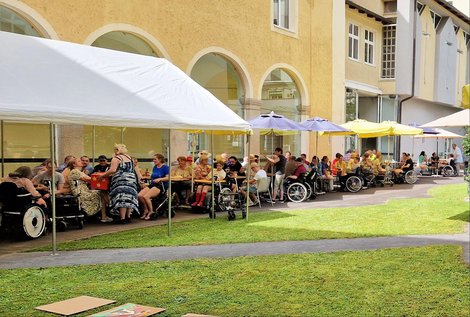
(102, 166)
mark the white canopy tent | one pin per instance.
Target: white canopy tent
(458, 119)
(48, 81)
(44, 80)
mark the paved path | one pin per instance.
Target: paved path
(85, 257)
(10, 259)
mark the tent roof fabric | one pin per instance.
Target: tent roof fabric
(367, 129)
(51, 81)
(458, 119)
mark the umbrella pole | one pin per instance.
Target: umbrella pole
(316, 144)
(388, 147)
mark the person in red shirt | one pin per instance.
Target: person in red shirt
(333, 164)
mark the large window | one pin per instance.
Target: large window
(22, 144)
(281, 13)
(10, 21)
(281, 95)
(218, 75)
(369, 47)
(124, 42)
(353, 47)
(388, 51)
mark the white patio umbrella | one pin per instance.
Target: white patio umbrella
(458, 119)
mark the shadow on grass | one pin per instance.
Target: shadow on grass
(464, 216)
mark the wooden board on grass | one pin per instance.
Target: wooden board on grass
(75, 305)
(130, 310)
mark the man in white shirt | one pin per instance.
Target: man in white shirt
(457, 157)
(259, 181)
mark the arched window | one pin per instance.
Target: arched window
(142, 143)
(281, 95)
(218, 75)
(23, 144)
(124, 42)
(10, 21)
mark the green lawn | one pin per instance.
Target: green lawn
(421, 281)
(444, 212)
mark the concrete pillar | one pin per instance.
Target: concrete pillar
(252, 110)
(179, 141)
(70, 141)
(304, 111)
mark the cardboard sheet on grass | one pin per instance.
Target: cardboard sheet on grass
(130, 310)
(75, 305)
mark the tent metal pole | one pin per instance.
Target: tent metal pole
(193, 147)
(93, 144)
(169, 183)
(248, 178)
(212, 176)
(53, 176)
(122, 135)
(3, 150)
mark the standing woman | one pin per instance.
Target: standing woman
(91, 201)
(124, 184)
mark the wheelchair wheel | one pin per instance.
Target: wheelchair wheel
(353, 184)
(34, 222)
(411, 177)
(309, 191)
(297, 192)
(448, 171)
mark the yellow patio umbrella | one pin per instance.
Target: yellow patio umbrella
(366, 129)
(401, 129)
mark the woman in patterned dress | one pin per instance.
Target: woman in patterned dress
(91, 201)
(124, 184)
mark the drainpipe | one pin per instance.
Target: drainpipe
(413, 75)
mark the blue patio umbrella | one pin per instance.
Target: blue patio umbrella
(275, 123)
(318, 124)
(425, 130)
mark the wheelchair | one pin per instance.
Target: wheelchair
(228, 201)
(160, 204)
(19, 213)
(67, 211)
(303, 188)
(410, 177)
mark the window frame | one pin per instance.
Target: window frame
(292, 29)
(369, 44)
(353, 38)
(434, 16)
(387, 72)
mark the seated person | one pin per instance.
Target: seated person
(21, 177)
(407, 166)
(366, 164)
(158, 183)
(353, 164)
(235, 166)
(377, 164)
(202, 172)
(333, 164)
(91, 201)
(451, 161)
(183, 174)
(41, 179)
(325, 172)
(290, 166)
(258, 182)
(87, 167)
(423, 161)
(102, 166)
(341, 171)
